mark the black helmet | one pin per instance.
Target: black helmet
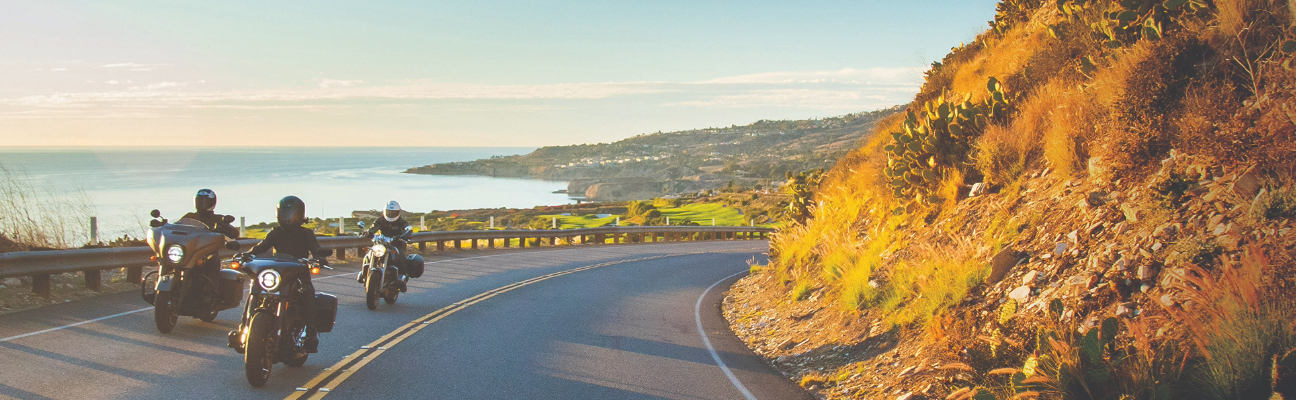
(205, 200)
(291, 211)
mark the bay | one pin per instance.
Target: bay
(125, 183)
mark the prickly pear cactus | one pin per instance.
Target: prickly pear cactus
(937, 138)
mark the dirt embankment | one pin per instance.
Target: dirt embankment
(1086, 251)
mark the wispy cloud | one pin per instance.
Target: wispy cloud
(889, 76)
(325, 83)
(129, 65)
(836, 90)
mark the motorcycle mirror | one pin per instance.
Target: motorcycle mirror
(229, 219)
(232, 245)
(155, 223)
(155, 213)
(325, 253)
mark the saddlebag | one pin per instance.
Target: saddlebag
(414, 266)
(231, 285)
(325, 312)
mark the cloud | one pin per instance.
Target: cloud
(324, 83)
(857, 99)
(130, 65)
(843, 89)
(846, 76)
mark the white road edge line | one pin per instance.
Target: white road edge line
(697, 316)
(72, 325)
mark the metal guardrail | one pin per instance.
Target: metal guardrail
(41, 264)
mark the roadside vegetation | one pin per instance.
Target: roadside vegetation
(1092, 200)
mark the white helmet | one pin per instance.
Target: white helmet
(392, 212)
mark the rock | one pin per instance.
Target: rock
(1156, 246)
(1074, 236)
(1020, 294)
(1247, 185)
(1146, 273)
(1097, 199)
(1001, 263)
(1030, 277)
(1098, 170)
(12, 281)
(1059, 248)
(906, 396)
(1167, 300)
(1120, 264)
(977, 189)
(1214, 220)
(1131, 214)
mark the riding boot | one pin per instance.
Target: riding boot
(404, 283)
(360, 275)
(311, 343)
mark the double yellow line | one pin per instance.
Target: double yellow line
(333, 376)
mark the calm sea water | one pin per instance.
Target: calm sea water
(125, 183)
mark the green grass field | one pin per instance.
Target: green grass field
(700, 213)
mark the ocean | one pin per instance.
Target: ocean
(124, 184)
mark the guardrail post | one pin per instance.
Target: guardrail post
(458, 244)
(341, 253)
(134, 275)
(490, 243)
(41, 285)
(474, 244)
(422, 246)
(93, 279)
(600, 238)
(440, 245)
(508, 242)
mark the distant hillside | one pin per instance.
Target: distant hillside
(685, 161)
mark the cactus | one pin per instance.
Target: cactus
(1125, 22)
(939, 139)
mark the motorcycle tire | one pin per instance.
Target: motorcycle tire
(165, 315)
(209, 317)
(373, 285)
(258, 356)
(390, 298)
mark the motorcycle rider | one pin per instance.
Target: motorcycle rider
(299, 242)
(204, 210)
(391, 225)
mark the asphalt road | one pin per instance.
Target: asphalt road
(627, 328)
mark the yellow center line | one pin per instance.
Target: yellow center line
(328, 379)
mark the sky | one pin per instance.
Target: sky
(434, 73)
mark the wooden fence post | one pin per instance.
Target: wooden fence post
(93, 279)
(41, 285)
(134, 275)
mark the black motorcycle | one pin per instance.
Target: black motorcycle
(385, 272)
(274, 322)
(188, 280)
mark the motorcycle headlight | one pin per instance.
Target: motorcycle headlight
(379, 250)
(175, 253)
(268, 279)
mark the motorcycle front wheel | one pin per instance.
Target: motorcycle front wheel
(390, 298)
(259, 356)
(373, 285)
(211, 316)
(165, 315)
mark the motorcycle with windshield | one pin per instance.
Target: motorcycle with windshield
(385, 271)
(274, 323)
(188, 280)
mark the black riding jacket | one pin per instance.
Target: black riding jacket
(215, 222)
(291, 240)
(390, 229)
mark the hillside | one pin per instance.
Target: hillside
(1093, 200)
(652, 165)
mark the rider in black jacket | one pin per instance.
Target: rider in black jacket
(299, 242)
(391, 225)
(204, 210)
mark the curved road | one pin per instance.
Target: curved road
(606, 322)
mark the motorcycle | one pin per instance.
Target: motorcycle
(182, 285)
(384, 272)
(273, 328)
